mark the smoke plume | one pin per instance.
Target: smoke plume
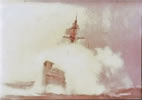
(30, 40)
(86, 71)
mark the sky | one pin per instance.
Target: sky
(31, 28)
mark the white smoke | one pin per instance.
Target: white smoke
(86, 71)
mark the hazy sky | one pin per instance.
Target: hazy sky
(31, 28)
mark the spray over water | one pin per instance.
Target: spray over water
(86, 71)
